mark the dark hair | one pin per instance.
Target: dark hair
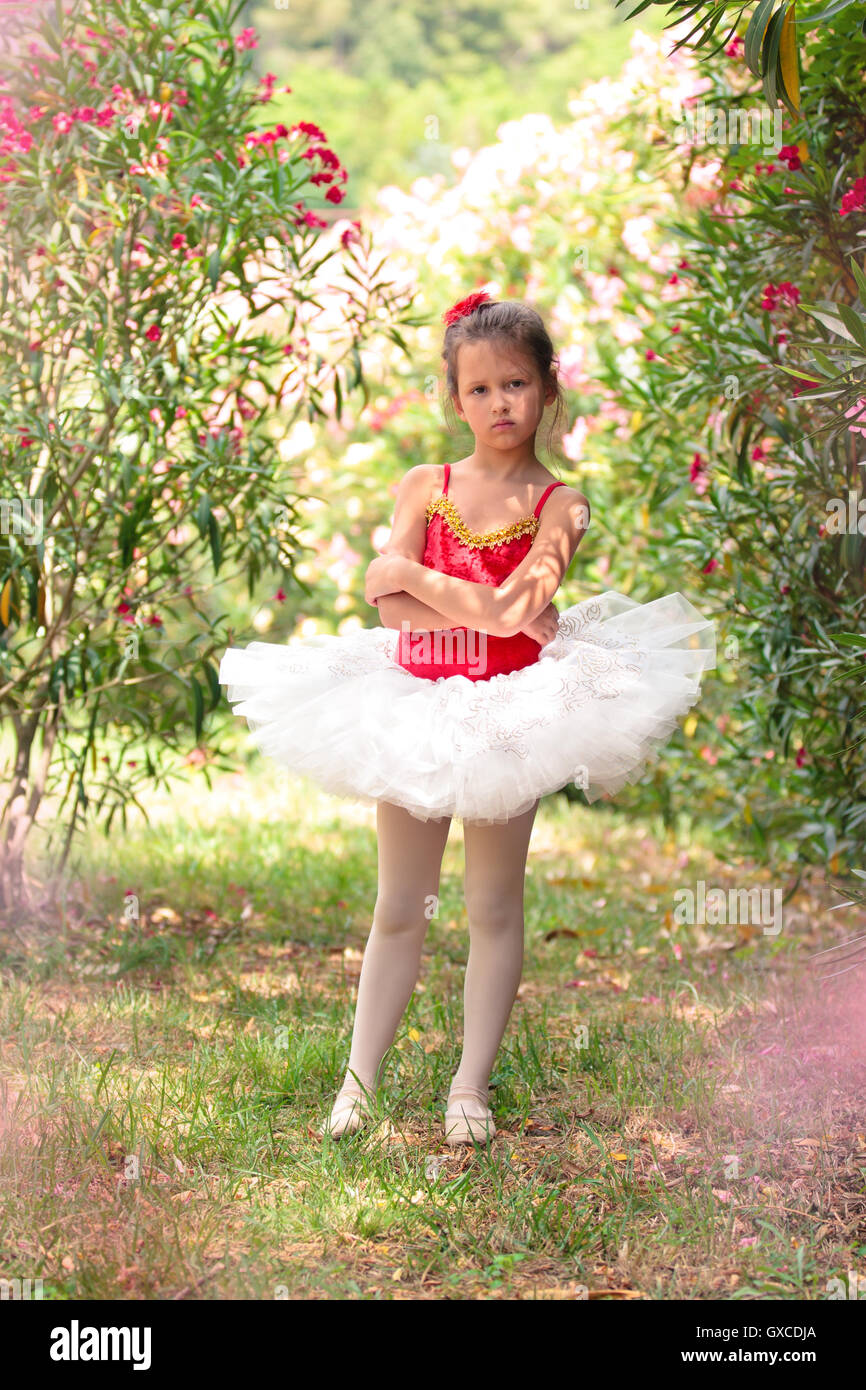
(515, 323)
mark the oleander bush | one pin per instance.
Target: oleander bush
(171, 301)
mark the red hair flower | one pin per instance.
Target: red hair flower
(465, 306)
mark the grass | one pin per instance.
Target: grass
(679, 1107)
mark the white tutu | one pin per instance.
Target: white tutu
(593, 710)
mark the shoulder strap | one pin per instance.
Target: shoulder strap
(544, 496)
(447, 476)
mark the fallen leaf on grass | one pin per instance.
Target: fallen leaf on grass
(616, 1293)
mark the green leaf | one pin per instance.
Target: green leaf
(202, 514)
(215, 543)
(860, 278)
(755, 35)
(854, 323)
(836, 8)
(212, 677)
(829, 320)
(198, 706)
(770, 54)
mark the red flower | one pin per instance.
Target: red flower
(791, 156)
(854, 198)
(307, 128)
(772, 294)
(465, 306)
(334, 195)
(154, 333)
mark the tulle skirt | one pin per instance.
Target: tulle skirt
(593, 710)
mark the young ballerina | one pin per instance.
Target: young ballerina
(473, 700)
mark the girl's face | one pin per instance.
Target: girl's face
(495, 384)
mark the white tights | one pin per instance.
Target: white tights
(410, 859)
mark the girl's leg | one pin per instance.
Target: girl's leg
(495, 869)
(410, 860)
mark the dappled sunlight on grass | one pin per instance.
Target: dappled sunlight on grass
(663, 1124)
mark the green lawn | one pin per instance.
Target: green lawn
(161, 1080)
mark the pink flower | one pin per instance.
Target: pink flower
(154, 333)
(857, 410)
(335, 195)
(62, 123)
(247, 38)
(710, 566)
(280, 596)
(801, 757)
(650, 355)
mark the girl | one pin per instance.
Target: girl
(474, 699)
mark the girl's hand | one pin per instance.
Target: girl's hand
(544, 628)
(381, 578)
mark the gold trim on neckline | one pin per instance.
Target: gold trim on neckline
(526, 526)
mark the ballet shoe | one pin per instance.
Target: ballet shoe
(349, 1111)
(468, 1118)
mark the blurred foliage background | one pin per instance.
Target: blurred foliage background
(376, 72)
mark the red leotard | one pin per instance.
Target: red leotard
(487, 562)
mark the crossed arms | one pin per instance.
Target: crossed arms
(407, 591)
